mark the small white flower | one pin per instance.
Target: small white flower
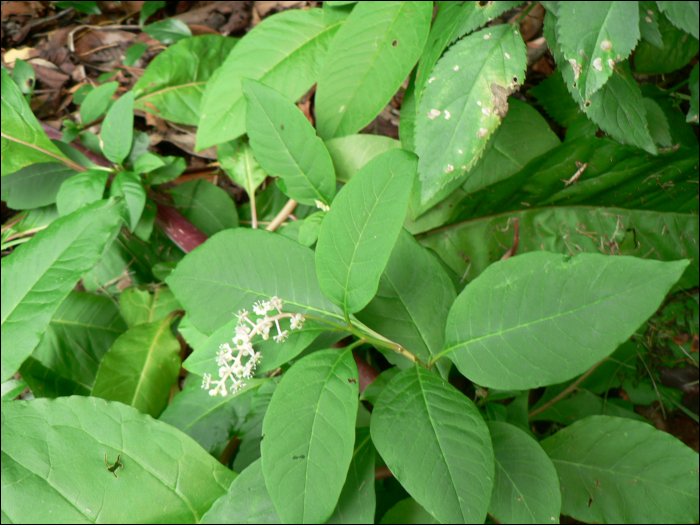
(242, 314)
(281, 337)
(322, 206)
(261, 307)
(297, 322)
(276, 304)
(206, 381)
(224, 355)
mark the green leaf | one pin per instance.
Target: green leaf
(65, 468)
(238, 267)
(148, 9)
(454, 20)
(677, 47)
(89, 322)
(23, 141)
(683, 15)
(658, 125)
(694, 90)
(208, 419)
(118, 129)
(38, 275)
(35, 185)
(436, 444)
(168, 31)
(414, 297)
(595, 35)
(381, 41)
(97, 101)
(617, 470)
(309, 433)
(247, 501)
(648, 24)
(360, 230)
(135, 52)
(141, 367)
(174, 166)
(128, 183)
(173, 84)
(205, 205)
(593, 301)
(12, 388)
(286, 145)
(139, 306)
(584, 404)
(357, 500)
(284, 52)
(408, 511)
(81, 189)
(652, 235)
(24, 76)
(463, 104)
(526, 489)
(237, 160)
(87, 7)
(407, 120)
(350, 153)
(250, 432)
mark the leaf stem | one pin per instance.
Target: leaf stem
(282, 215)
(524, 14)
(573, 386)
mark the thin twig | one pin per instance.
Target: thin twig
(253, 211)
(282, 215)
(573, 386)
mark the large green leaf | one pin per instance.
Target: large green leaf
(286, 145)
(250, 432)
(285, 52)
(59, 475)
(462, 105)
(35, 185)
(436, 444)
(141, 367)
(81, 189)
(173, 84)
(205, 205)
(118, 129)
(360, 230)
(309, 433)
(247, 501)
(357, 500)
(235, 268)
(38, 275)
(570, 230)
(595, 35)
(683, 15)
(97, 101)
(615, 470)
(526, 489)
(542, 318)
(139, 306)
(414, 297)
(89, 322)
(350, 153)
(381, 41)
(236, 157)
(454, 20)
(23, 141)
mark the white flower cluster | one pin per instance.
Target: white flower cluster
(231, 360)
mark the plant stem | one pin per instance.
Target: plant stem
(524, 14)
(566, 391)
(282, 215)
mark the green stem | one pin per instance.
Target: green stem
(678, 86)
(520, 18)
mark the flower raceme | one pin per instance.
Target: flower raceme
(239, 362)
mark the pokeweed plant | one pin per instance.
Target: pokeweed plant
(477, 260)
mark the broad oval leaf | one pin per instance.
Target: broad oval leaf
(463, 104)
(168, 31)
(81, 189)
(118, 129)
(436, 444)
(83, 320)
(128, 184)
(381, 41)
(286, 145)
(309, 433)
(595, 35)
(247, 500)
(139, 306)
(237, 267)
(23, 141)
(360, 229)
(205, 205)
(285, 51)
(141, 367)
(683, 15)
(173, 84)
(352, 152)
(35, 185)
(526, 489)
(60, 474)
(96, 102)
(236, 158)
(38, 275)
(542, 318)
(615, 470)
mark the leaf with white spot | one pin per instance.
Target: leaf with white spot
(463, 106)
(594, 36)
